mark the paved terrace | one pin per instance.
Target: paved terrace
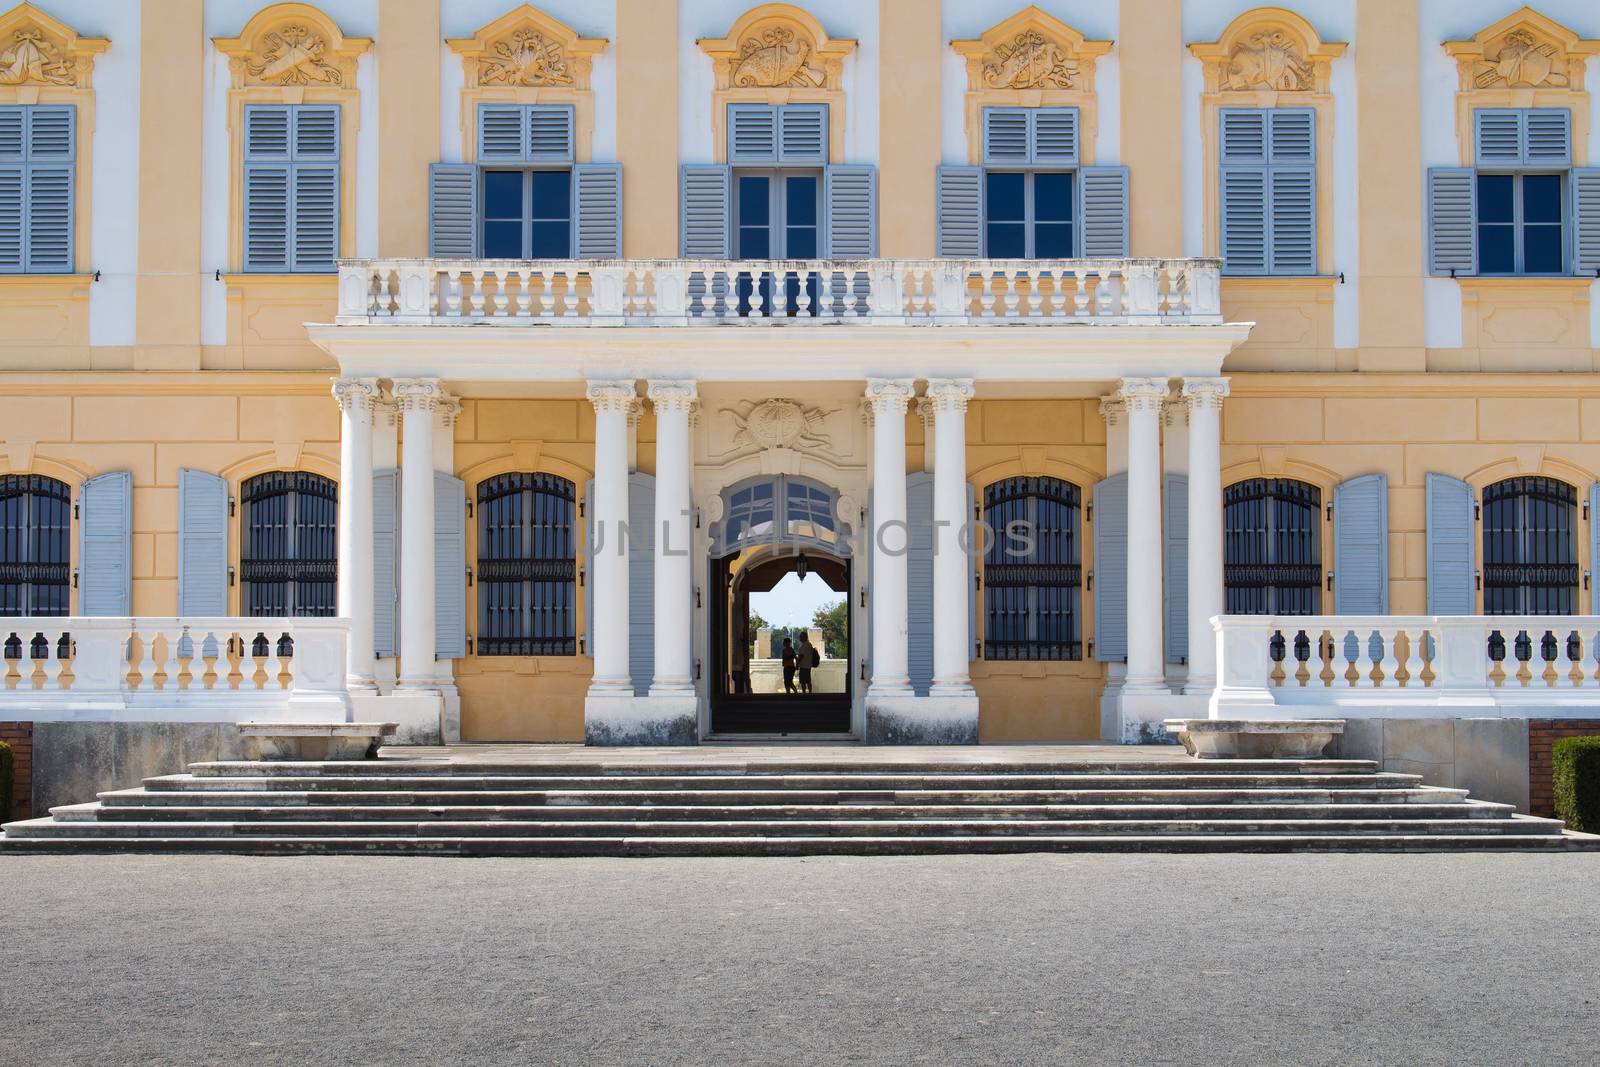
(770, 755)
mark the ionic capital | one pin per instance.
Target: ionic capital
(890, 396)
(418, 394)
(1204, 392)
(669, 395)
(1112, 409)
(613, 396)
(949, 395)
(449, 410)
(356, 394)
(924, 412)
(1143, 394)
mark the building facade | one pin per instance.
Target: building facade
(1045, 335)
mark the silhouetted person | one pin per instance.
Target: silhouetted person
(789, 663)
(809, 657)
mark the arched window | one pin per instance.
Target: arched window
(35, 545)
(526, 567)
(780, 510)
(1032, 570)
(1272, 547)
(288, 561)
(1530, 553)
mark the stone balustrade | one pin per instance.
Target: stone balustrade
(1149, 292)
(174, 669)
(1351, 666)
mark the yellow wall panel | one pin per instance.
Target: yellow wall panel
(1411, 419)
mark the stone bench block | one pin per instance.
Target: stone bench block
(1255, 738)
(313, 740)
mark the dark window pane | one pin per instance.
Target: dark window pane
(1541, 198)
(800, 201)
(1008, 240)
(1004, 197)
(754, 203)
(1495, 197)
(801, 242)
(552, 240)
(502, 240)
(1541, 249)
(754, 243)
(552, 194)
(502, 194)
(1052, 198)
(1496, 250)
(1052, 240)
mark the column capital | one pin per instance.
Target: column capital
(385, 407)
(1112, 409)
(613, 396)
(356, 394)
(418, 394)
(1204, 392)
(449, 409)
(925, 409)
(890, 396)
(949, 394)
(1142, 394)
(670, 395)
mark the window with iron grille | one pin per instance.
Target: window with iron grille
(1530, 554)
(35, 545)
(526, 575)
(1032, 571)
(1272, 547)
(289, 556)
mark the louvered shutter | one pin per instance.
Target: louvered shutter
(314, 194)
(802, 134)
(960, 203)
(13, 189)
(850, 209)
(1594, 549)
(385, 561)
(1361, 546)
(453, 210)
(266, 187)
(1005, 136)
(1243, 135)
(1244, 221)
(550, 134)
(1585, 220)
(1452, 221)
(919, 581)
(502, 133)
(1293, 224)
(1111, 569)
(202, 544)
(1175, 566)
(641, 581)
(1103, 211)
(105, 545)
(588, 567)
(706, 192)
(753, 134)
(597, 211)
(1497, 137)
(1053, 136)
(13, 134)
(1452, 549)
(449, 567)
(51, 148)
(1510, 137)
(1547, 137)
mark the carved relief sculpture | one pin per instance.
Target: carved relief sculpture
(289, 46)
(528, 58)
(778, 423)
(1525, 50)
(527, 49)
(293, 56)
(776, 57)
(1030, 62)
(1268, 50)
(1268, 59)
(777, 46)
(35, 49)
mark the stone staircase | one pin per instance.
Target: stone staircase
(686, 806)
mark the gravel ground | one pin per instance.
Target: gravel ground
(1419, 959)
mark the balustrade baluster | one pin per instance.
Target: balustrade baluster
(147, 661)
(274, 662)
(1563, 661)
(1414, 643)
(247, 660)
(1390, 665)
(27, 664)
(163, 650)
(50, 666)
(452, 292)
(1589, 664)
(1364, 661)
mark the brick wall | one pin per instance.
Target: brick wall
(19, 735)
(1542, 734)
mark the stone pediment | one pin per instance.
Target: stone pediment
(1524, 50)
(1268, 49)
(777, 46)
(526, 48)
(292, 45)
(1030, 50)
(36, 49)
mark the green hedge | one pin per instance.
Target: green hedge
(1576, 770)
(6, 778)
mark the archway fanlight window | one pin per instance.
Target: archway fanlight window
(527, 589)
(288, 563)
(781, 509)
(1032, 585)
(1530, 554)
(35, 546)
(1272, 547)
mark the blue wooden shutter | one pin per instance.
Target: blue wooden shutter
(1497, 136)
(1005, 136)
(1585, 220)
(1243, 190)
(13, 188)
(1361, 546)
(587, 574)
(919, 581)
(449, 566)
(502, 133)
(266, 187)
(550, 134)
(385, 561)
(1292, 191)
(705, 202)
(597, 211)
(13, 134)
(202, 543)
(1103, 211)
(802, 134)
(1452, 546)
(314, 188)
(1053, 136)
(1547, 137)
(850, 207)
(51, 148)
(105, 545)
(753, 134)
(1111, 569)
(453, 210)
(1452, 220)
(1594, 549)
(960, 226)
(1175, 566)
(641, 581)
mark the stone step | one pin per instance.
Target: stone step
(985, 798)
(804, 846)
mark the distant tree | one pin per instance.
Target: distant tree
(834, 622)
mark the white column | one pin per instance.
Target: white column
(1204, 398)
(890, 536)
(608, 565)
(418, 398)
(674, 675)
(925, 413)
(1142, 399)
(952, 571)
(356, 397)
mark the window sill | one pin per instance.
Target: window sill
(50, 284)
(266, 278)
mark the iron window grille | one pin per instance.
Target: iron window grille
(1272, 547)
(1032, 590)
(289, 558)
(527, 571)
(1530, 560)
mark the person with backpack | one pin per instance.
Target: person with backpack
(808, 657)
